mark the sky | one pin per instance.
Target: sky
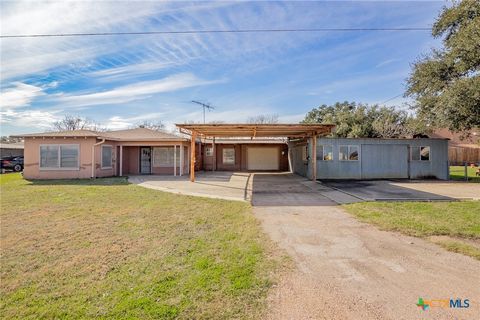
(120, 81)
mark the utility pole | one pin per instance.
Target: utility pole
(205, 106)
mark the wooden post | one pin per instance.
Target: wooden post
(314, 158)
(192, 156)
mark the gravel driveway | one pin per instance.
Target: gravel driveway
(350, 270)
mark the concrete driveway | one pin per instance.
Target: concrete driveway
(407, 190)
(351, 270)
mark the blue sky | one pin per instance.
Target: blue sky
(122, 80)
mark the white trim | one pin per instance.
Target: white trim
(348, 152)
(111, 156)
(323, 152)
(121, 160)
(175, 160)
(59, 157)
(420, 153)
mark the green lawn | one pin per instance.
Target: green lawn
(453, 225)
(458, 173)
(109, 249)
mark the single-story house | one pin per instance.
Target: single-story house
(300, 148)
(14, 149)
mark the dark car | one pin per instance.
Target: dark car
(12, 163)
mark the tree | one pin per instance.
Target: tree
(70, 123)
(354, 120)
(10, 139)
(263, 119)
(153, 125)
(446, 83)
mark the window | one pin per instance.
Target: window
(209, 151)
(421, 153)
(164, 156)
(325, 153)
(228, 156)
(348, 153)
(106, 157)
(55, 156)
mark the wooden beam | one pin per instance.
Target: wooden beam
(314, 158)
(192, 156)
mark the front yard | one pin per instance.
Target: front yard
(453, 225)
(108, 249)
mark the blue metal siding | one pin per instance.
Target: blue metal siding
(379, 159)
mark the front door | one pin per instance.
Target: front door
(145, 159)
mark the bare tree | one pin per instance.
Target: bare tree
(263, 119)
(153, 125)
(10, 139)
(70, 123)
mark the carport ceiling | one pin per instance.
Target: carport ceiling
(257, 130)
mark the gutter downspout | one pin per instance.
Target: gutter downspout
(93, 156)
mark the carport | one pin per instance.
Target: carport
(253, 131)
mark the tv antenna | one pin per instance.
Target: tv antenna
(205, 106)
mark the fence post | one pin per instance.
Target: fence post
(466, 171)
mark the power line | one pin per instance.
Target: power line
(397, 96)
(51, 35)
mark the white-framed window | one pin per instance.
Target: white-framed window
(107, 155)
(325, 153)
(228, 156)
(209, 151)
(348, 153)
(59, 156)
(421, 153)
(164, 156)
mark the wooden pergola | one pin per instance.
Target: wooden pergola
(254, 131)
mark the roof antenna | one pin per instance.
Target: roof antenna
(205, 106)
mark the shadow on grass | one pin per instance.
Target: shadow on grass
(112, 181)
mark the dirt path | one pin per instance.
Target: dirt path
(346, 269)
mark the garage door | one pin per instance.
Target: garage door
(384, 161)
(264, 158)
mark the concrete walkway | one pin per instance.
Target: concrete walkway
(350, 270)
(218, 185)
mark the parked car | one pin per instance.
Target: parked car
(12, 163)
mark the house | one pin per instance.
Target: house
(461, 148)
(14, 149)
(300, 148)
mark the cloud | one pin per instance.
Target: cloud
(119, 122)
(20, 95)
(29, 118)
(134, 91)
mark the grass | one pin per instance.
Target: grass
(108, 249)
(453, 225)
(458, 173)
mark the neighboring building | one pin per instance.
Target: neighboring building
(369, 158)
(462, 148)
(14, 149)
(231, 147)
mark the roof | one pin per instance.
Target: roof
(71, 133)
(137, 134)
(14, 145)
(140, 134)
(257, 130)
(248, 140)
(456, 140)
